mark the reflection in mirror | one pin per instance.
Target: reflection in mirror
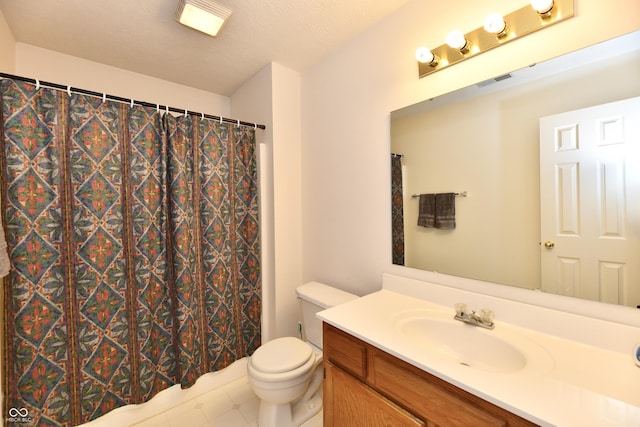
(491, 141)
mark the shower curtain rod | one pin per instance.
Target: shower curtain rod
(70, 89)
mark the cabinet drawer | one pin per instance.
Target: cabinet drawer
(411, 388)
(345, 351)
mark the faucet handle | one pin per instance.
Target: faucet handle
(486, 316)
(461, 308)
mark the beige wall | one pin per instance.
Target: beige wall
(488, 146)
(346, 100)
(7, 47)
(70, 70)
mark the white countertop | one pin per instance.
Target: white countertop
(575, 385)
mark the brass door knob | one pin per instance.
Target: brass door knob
(549, 244)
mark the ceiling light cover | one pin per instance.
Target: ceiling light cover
(202, 15)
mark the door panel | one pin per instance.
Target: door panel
(590, 202)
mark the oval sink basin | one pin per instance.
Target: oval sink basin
(497, 350)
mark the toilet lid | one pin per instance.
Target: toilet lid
(281, 355)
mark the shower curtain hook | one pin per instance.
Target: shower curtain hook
(220, 119)
(131, 102)
(238, 124)
(166, 108)
(69, 90)
(104, 97)
(255, 126)
(185, 112)
(202, 116)
(37, 84)
(157, 108)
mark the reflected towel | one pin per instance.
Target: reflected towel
(445, 208)
(427, 210)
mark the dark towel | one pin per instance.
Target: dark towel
(445, 210)
(427, 210)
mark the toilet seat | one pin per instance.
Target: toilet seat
(281, 355)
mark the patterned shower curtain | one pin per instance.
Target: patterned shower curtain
(397, 210)
(134, 244)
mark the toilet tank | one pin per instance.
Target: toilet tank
(312, 298)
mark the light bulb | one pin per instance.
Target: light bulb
(495, 24)
(456, 40)
(425, 56)
(543, 7)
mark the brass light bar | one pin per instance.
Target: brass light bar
(523, 21)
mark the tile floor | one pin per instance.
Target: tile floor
(232, 405)
(222, 399)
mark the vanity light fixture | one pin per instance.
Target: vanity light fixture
(543, 7)
(456, 40)
(496, 30)
(425, 56)
(202, 15)
(496, 25)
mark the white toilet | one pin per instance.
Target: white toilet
(286, 373)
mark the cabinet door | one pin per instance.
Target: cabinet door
(351, 403)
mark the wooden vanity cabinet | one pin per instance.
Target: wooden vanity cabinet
(365, 386)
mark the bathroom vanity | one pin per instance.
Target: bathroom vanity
(365, 386)
(400, 358)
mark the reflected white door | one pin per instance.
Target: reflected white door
(590, 202)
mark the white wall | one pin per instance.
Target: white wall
(287, 196)
(7, 47)
(272, 97)
(252, 101)
(346, 100)
(47, 65)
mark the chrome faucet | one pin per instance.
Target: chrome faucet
(483, 318)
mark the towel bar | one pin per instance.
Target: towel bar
(463, 194)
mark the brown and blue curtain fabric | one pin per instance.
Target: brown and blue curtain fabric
(397, 210)
(134, 243)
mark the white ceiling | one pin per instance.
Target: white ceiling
(143, 36)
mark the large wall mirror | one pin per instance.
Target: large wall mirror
(546, 164)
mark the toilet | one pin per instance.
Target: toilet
(286, 373)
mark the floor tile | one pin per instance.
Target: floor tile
(223, 399)
(232, 418)
(239, 390)
(188, 414)
(249, 409)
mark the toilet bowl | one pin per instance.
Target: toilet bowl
(286, 373)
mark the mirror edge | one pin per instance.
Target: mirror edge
(623, 315)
